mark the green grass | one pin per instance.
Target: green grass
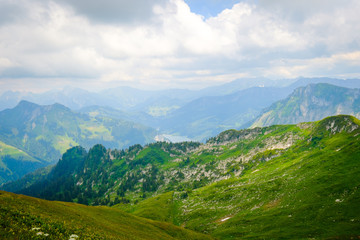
(156, 208)
(15, 153)
(300, 194)
(20, 214)
(63, 143)
(95, 130)
(307, 191)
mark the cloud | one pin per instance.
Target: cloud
(115, 11)
(163, 43)
(299, 11)
(10, 12)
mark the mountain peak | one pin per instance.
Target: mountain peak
(339, 123)
(311, 103)
(25, 103)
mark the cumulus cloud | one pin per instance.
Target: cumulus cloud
(164, 43)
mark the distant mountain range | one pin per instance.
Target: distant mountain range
(127, 98)
(208, 115)
(31, 134)
(311, 103)
(158, 102)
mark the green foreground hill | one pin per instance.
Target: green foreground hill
(279, 182)
(24, 217)
(310, 191)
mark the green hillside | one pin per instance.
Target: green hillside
(279, 182)
(311, 191)
(44, 133)
(30, 218)
(311, 103)
(14, 163)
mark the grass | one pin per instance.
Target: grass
(15, 153)
(94, 130)
(21, 214)
(300, 194)
(156, 208)
(63, 143)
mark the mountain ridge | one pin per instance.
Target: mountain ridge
(311, 103)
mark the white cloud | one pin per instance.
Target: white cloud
(170, 45)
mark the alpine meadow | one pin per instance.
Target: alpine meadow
(179, 119)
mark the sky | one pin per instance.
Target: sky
(156, 44)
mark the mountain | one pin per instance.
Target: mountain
(311, 103)
(201, 118)
(156, 103)
(73, 98)
(215, 112)
(24, 217)
(348, 83)
(108, 112)
(208, 116)
(278, 182)
(180, 113)
(244, 83)
(42, 133)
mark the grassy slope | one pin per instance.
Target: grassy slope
(158, 208)
(20, 214)
(15, 153)
(19, 159)
(310, 191)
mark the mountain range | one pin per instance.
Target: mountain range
(210, 111)
(278, 182)
(33, 136)
(157, 103)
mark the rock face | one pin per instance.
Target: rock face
(311, 103)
